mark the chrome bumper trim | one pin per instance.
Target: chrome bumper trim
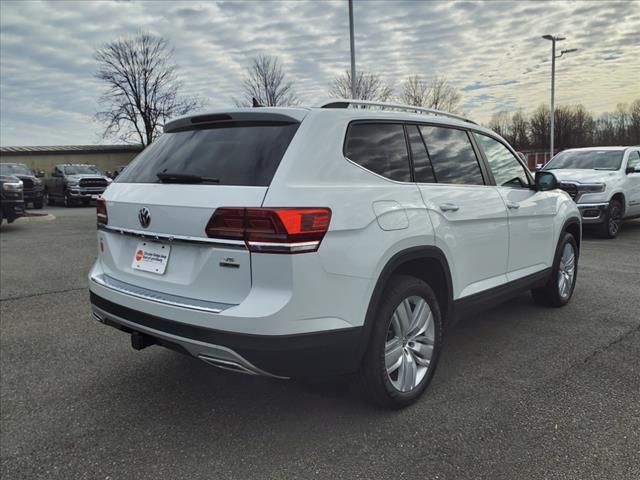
(158, 297)
(163, 237)
(593, 205)
(216, 355)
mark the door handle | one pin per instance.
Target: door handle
(449, 207)
(513, 205)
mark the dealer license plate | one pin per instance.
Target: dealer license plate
(151, 257)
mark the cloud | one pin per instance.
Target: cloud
(491, 50)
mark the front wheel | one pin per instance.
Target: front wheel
(559, 288)
(612, 220)
(48, 199)
(68, 202)
(405, 344)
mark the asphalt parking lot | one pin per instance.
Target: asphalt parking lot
(521, 391)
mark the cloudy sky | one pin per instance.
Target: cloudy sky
(491, 50)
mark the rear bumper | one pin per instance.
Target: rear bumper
(593, 213)
(285, 356)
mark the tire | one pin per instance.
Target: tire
(67, 202)
(559, 288)
(389, 387)
(38, 204)
(49, 200)
(85, 203)
(612, 220)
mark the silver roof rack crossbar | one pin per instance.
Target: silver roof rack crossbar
(346, 103)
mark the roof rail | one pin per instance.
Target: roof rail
(346, 103)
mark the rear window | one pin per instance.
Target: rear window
(381, 148)
(246, 155)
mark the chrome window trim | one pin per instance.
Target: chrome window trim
(162, 237)
(111, 283)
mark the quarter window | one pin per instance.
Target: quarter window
(634, 159)
(506, 169)
(381, 148)
(452, 156)
(422, 169)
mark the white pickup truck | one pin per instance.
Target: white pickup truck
(603, 181)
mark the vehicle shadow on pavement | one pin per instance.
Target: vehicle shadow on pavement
(160, 384)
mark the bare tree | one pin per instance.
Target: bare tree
(415, 92)
(369, 86)
(540, 126)
(435, 93)
(142, 88)
(519, 136)
(443, 95)
(501, 124)
(265, 83)
(634, 122)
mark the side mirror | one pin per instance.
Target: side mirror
(39, 173)
(545, 181)
(635, 169)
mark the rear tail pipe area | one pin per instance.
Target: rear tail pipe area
(140, 341)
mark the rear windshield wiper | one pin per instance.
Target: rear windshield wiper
(167, 177)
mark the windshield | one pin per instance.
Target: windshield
(243, 154)
(80, 170)
(587, 160)
(14, 169)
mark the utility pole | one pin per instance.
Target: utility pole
(353, 51)
(554, 39)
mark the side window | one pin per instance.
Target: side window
(381, 148)
(507, 170)
(56, 172)
(634, 159)
(452, 156)
(423, 171)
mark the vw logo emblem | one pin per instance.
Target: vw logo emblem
(144, 217)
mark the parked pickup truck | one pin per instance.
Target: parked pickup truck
(32, 187)
(11, 200)
(603, 181)
(73, 184)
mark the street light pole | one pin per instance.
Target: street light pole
(554, 39)
(353, 51)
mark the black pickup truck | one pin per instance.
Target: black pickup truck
(33, 190)
(11, 201)
(73, 184)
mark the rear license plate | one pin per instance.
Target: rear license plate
(151, 257)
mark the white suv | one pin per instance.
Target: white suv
(311, 242)
(603, 181)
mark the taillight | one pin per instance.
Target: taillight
(271, 230)
(101, 212)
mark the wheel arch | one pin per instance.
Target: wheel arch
(622, 199)
(572, 225)
(428, 263)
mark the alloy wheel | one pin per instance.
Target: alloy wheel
(614, 220)
(409, 343)
(566, 271)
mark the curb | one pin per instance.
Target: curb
(47, 217)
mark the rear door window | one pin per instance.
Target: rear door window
(452, 156)
(422, 169)
(381, 148)
(243, 154)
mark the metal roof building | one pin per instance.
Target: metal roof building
(105, 157)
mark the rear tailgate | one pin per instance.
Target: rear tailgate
(227, 164)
